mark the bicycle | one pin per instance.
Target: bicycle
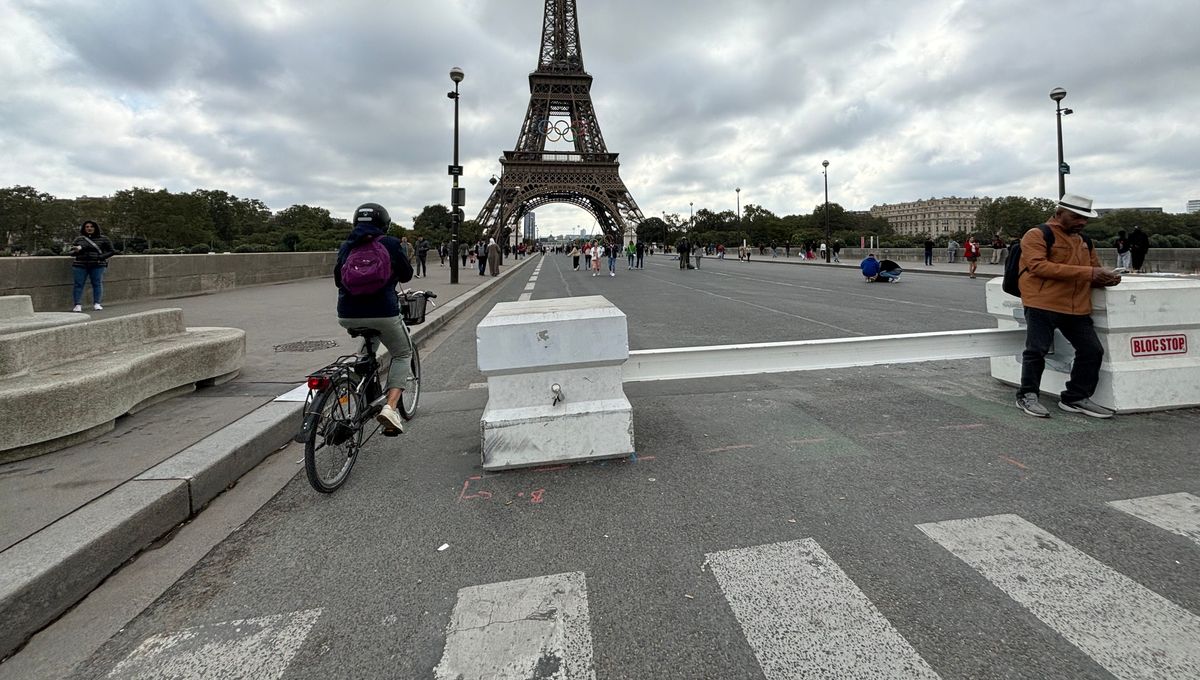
(346, 395)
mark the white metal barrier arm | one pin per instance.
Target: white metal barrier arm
(682, 363)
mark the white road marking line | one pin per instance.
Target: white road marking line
(524, 297)
(258, 648)
(1125, 627)
(805, 618)
(297, 393)
(1176, 512)
(534, 627)
(530, 286)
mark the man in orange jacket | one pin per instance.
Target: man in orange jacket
(1056, 291)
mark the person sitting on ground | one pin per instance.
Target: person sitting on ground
(361, 305)
(889, 271)
(869, 267)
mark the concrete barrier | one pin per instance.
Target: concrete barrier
(555, 389)
(61, 385)
(17, 315)
(48, 280)
(1150, 330)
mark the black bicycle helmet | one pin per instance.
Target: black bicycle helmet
(374, 215)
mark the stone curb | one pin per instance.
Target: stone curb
(48, 573)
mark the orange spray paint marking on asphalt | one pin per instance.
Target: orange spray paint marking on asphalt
(729, 448)
(462, 495)
(1006, 459)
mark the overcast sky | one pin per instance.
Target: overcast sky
(336, 103)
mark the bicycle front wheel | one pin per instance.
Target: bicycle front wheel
(412, 388)
(335, 437)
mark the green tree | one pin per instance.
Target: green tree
(1010, 216)
(21, 210)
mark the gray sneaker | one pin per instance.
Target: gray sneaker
(1029, 403)
(1087, 407)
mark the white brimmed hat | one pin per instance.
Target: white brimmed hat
(1078, 205)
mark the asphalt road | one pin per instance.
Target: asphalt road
(788, 525)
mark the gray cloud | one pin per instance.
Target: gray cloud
(297, 102)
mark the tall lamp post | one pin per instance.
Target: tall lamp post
(1058, 94)
(691, 217)
(457, 195)
(828, 245)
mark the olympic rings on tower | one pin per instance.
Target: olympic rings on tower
(561, 130)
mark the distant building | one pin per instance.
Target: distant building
(1193, 206)
(1104, 211)
(936, 216)
(529, 227)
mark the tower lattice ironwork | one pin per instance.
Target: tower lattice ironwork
(560, 112)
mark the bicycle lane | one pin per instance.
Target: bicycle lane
(59, 504)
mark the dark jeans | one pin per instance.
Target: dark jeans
(81, 276)
(928, 258)
(1039, 336)
(422, 270)
(1138, 258)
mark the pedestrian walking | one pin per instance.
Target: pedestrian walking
(1056, 293)
(971, 252)
(493, 257)
(587, 255)
(91, 250)
(1139, 246)
(595, 253)
(422, 252)
(823, 250)
(575, 257)
(928, 250)
(837, 249)
(640, 253)
(630, 253)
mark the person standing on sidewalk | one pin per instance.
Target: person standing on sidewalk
(493, 257)
(971, 252)
(422, 253)
(1056, 291)
(575, 257)
(640, 253)
(91, 250)
(951, 251)
(928, 250)
(1139, 245)
(1121, 243)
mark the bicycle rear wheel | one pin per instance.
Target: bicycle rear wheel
(335, 437)
(412, 388)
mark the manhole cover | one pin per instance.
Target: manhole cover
(306, 346)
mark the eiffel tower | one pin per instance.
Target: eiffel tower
(560, 110)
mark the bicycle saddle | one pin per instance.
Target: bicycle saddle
(363, 332)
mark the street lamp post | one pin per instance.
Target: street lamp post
(828, 245)
(1058, 94)
(691, 217)
(457, 197)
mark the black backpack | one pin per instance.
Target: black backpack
(1012, 266)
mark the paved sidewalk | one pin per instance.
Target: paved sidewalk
(50, 502)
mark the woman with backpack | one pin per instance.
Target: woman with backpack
(369, 265)
(91, 250)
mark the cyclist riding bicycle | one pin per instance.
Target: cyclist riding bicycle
(361, 305)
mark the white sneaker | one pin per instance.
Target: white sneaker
(77, 308)
(97, 307)
(390, 419)
(612, 273)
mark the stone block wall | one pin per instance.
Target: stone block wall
(139, 277)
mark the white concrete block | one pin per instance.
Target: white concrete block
(1150, 330)
(583, 331)
(525, 349)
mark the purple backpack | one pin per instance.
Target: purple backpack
(368, 268)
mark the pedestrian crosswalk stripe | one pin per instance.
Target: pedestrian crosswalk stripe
(530, 628)
(258, 648)
(1175, 512)
(805, 618)
(1128, 629)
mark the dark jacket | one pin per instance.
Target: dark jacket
(94, 254)
(372, 305)
(1138, 241)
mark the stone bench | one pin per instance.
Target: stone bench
(66, 384)
(17, 315)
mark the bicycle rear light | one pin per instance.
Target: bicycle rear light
(319, 382)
